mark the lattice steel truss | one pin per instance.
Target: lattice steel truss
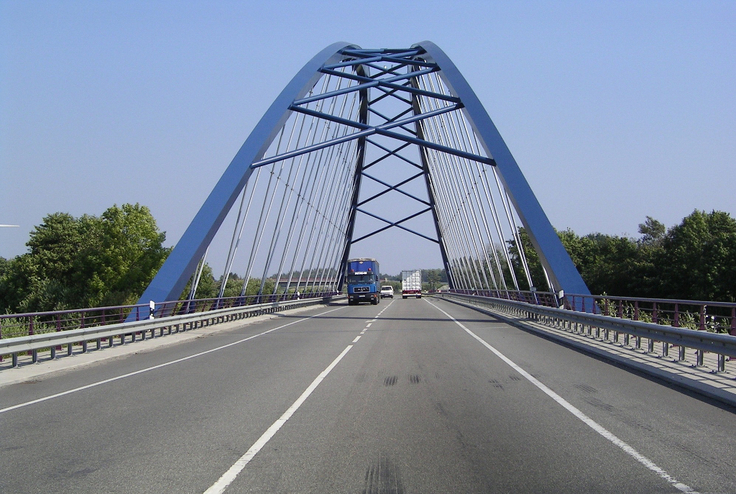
(303, 178)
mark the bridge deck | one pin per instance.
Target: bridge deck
(415, 404)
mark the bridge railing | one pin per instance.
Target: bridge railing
(647, 337)
(99, 334)
(715, 317)
(32, 323)
(546, 299)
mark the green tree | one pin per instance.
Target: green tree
(532, 259)
(607, 264)
(693, 260)
(652, 232)
(207, 286)
(649, 282)
(131, 254)
(612, 266)
(698, 258)
(46, 277)
(84, 262)
(233, 286)
(17, 282)
(434, 278)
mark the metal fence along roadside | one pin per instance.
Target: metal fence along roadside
(716, 317)
(27, 324)
(39, 332)
(627, 332)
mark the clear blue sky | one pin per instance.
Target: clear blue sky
(613, 110)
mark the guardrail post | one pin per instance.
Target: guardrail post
(55, 342)
(701, 324)
(654, 313)
(30, 326)
(721, 363)
(58, 329)
(665, 349)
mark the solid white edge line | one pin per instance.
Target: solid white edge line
(165, 364)
(576, 412)
(229, 476)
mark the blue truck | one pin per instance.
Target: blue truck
(362, 280)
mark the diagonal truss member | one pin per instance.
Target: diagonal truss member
(301, 171)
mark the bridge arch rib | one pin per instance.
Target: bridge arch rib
(316, 149)
(552, 254)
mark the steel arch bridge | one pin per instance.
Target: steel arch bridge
(354, 125)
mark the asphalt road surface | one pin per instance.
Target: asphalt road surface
(409, 396)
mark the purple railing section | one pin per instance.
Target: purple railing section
(546, 299)
(13, 325)
(717, 317)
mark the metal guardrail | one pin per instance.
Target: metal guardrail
(548, 299)
(27, 324)
(614, 329)
(52, 342)
(718, 317)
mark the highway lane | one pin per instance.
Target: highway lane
(415, 404)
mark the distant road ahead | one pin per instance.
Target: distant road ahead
(410, 396)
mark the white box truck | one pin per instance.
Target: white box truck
(411, 283)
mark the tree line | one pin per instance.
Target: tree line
(94, 261)
(90, 261)
(98, 261)
(694, 260)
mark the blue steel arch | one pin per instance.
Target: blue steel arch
(552, 253)
(182, 262)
